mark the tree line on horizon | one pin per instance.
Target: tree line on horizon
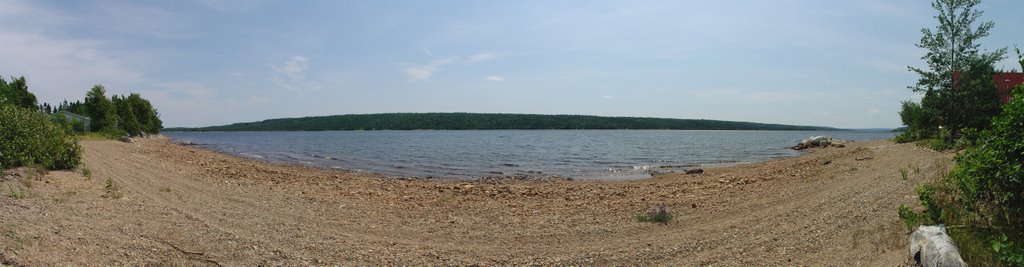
(484, 121)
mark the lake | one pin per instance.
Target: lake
(579, 154)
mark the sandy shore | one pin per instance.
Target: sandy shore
(189, 206)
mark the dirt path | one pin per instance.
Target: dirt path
(191, 206)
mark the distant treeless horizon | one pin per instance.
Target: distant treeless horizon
(216, 62)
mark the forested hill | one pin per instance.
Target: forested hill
(476, 121)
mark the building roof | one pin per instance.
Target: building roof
(74, 116)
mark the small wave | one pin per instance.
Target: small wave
(251, 155)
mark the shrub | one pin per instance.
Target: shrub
(32, 138)
(112, 190)
(985, 190)
(657, 214)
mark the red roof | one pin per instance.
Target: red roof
(1005, 82)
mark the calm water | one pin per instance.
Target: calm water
(580, 154)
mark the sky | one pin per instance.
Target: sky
(213, 62)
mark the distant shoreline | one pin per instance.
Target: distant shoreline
(489, 121)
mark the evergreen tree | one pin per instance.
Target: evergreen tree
(98, 107)
(147, 116)
(125, 115)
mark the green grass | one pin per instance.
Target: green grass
(16, 193)
(19, 242)
(657, 214)
(87, 173)
(904, 173)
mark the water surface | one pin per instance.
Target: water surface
(579, 154)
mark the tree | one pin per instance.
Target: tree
(126, 115)
(147, 116)
(16, 93)
(953, 48)
(100, 109)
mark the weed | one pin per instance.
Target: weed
(903, 173)
(112, 190)
(657, 214)
(16, 193)
(27, 181)
(165, 189)
(19, 242)
(87, 173)
(910, 218)
(1008, 251)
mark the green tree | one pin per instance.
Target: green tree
(126, 115)
(100, 109)
(147, 116)
(921, 122)
(16, 93)
(953, 48)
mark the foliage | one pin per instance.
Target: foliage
(118, 115)
(16, 93)
(100, 109)
(957, 84)
(31, 138)
(146, 115)
(477, 121)
(985, 190)
(1008, 251)
(112, 190)
(657, 214)
(16, 193)
(126, 120)
(921, 123)
(911, 219)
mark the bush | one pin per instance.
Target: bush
(985, 190)
(657, 214)
(32, 138)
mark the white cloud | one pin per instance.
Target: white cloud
(495, 78)
(56, 65)
(874, 112)
(291, 75)
(480, 57)
(607, 97)
(424, 72)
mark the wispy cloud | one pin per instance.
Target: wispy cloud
(424, 72)
(291, 75)
(874, 112)
(607, 97)
(58, 66)
(495, 78)
(480, 57)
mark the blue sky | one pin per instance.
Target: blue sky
(212, 62)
